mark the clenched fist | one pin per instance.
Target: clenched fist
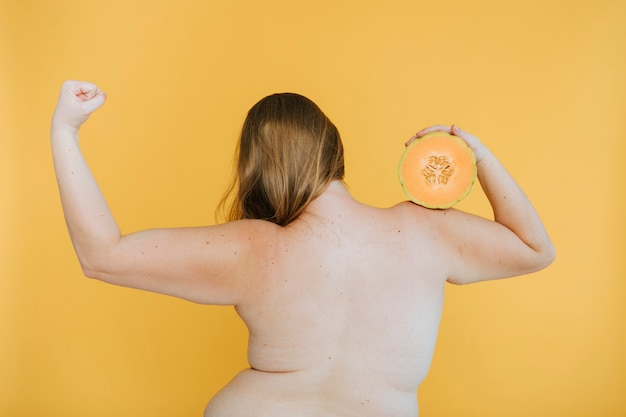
(78, 99)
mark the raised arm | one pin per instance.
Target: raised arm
(89, 220)
(205, 265)
(514, 243)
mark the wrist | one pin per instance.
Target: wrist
(60, 129)
(484, 158)
(63, 134)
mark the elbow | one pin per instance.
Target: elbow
(101, 262)
(98, 259)
(94, 268)
(543, 258)
(91, 272)
(533, 261)
(549, 255)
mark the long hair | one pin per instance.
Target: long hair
(288, 152)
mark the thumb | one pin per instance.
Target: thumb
(472, 141)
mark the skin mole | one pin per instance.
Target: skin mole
(372, 281)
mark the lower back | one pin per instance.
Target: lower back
(260, 394)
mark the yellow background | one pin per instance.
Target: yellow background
(542, 82)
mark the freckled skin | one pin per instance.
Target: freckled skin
(342, 305)
(320, 339)
(352, 333)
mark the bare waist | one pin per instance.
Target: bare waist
(254, 393)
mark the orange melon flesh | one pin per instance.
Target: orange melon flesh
(437, 170)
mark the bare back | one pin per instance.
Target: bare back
(343, 304)
(343, 310)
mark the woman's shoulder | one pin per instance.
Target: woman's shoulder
(250, 229)
(424, 218)
(412, 211)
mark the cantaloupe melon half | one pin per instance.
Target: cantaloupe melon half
(437, 170)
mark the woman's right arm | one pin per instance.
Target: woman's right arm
(205, 264)
(515, 242)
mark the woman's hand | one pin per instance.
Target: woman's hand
(487, 249)
(78, 99)
(480, 151)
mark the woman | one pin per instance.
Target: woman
(342, 300)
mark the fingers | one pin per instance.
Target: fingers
(82, 90)
(453, 130)
(88, 93)
(436, 128)
(471, 140)
(408, 142)
(94, 103)
(457, 131)
(77, 101)
(480, 151)
(427, 130)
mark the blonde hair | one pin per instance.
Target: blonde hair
(288, 152)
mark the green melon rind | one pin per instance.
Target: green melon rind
(423, 203)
